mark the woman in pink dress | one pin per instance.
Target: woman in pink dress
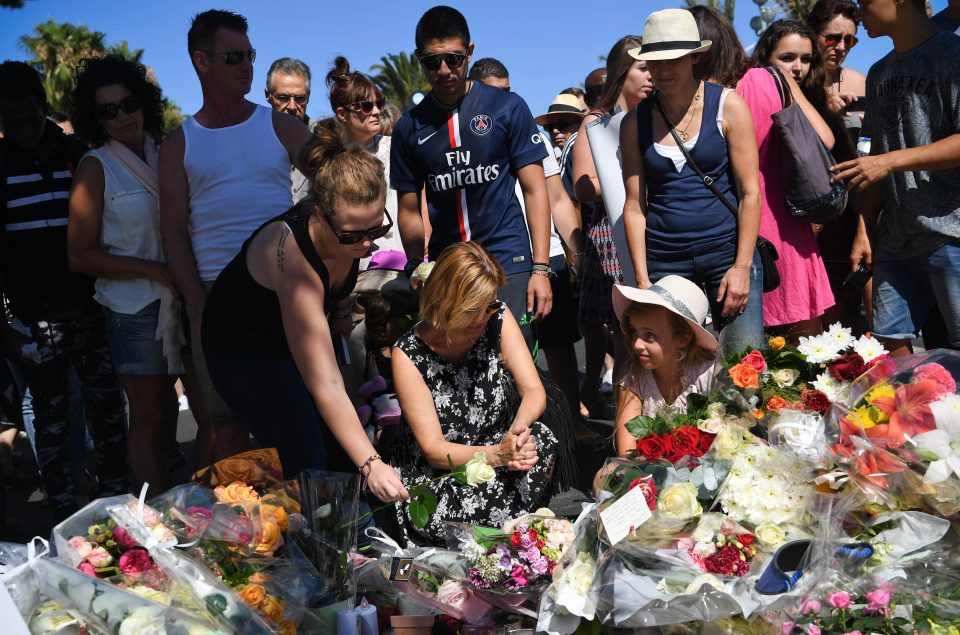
(796, 306)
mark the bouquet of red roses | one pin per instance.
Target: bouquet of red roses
(672, 436)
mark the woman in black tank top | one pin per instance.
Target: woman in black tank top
(278, 312)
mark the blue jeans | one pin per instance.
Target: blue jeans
(737, 332)
(905, 291)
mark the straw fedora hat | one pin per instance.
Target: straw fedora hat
(677, 295)
(668, 35)
(562, 104)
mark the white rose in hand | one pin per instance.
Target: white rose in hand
(478, 470)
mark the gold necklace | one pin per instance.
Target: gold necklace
(683, 133)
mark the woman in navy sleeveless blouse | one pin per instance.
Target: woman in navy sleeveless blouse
(675, 224)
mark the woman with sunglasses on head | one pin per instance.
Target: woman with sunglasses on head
(796, 306)
(268, 322)
(452, 372)
(835, 23)
(114, 234)
(792, 47)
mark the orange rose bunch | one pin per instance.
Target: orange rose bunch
(744, 376)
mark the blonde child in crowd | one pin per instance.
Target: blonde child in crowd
(671, 353)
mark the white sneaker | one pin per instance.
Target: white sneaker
(184, 404)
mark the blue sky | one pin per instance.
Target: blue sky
(547, 46)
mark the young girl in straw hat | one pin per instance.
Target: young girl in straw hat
(671, 353)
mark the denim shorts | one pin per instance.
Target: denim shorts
(905, 291)
(134, 347)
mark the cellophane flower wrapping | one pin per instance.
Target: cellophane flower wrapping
(571, 597)
(325, 532)
(20, 580)
(896, 434)
(111, 609)
(511, 566)
(182, 574)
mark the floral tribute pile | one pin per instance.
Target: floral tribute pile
(815, 490)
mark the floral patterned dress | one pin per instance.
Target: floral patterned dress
(469, 396)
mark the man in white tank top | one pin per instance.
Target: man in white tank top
(223, 173)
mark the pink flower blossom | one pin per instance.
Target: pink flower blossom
(135, 561)
(813, 629)
(936, 373)
(80, 546)
(786, 628)
(99, 557)
(123, 539)
(839, 599)
(853, 633)
(878, 600)
(811, 606)
(87, 568)
(519, 577)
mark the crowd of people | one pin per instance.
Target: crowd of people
(280, 288)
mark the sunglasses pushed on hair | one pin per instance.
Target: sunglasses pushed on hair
(353, 237)
(832, 39)
(105, 112)
(235, 56)
(366, 106)
(452, 60)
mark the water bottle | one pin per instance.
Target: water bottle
(863, 146)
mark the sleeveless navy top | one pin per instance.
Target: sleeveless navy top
(241, 318)
(684, 217)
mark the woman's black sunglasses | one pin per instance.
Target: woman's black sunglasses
(432, 62)
(105, 112)
(366, 106)
(353, 237)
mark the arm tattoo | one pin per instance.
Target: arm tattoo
(284, 232)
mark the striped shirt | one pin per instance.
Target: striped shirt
(36, 195)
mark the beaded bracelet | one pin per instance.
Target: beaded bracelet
(370, 459)
(538, 272)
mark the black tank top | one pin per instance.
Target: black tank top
(241, 318)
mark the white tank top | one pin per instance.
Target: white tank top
(239, 178)
(130, 227)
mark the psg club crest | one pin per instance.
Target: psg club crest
(481, 125)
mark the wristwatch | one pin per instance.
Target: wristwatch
(411, 266)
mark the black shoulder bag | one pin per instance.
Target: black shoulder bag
(768, 253)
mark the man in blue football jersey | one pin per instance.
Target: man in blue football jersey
(468, 144)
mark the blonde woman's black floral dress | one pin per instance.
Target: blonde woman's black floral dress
(469, 396)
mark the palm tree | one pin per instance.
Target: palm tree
(796, 9)
(399, 76)
(728, 6)
(123, 50)
(57, 50)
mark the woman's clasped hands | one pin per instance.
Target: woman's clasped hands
(518, 448)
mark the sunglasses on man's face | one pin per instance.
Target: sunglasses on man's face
(832, 39)
(284, 98)
(560, 125)
(452, 60)
(234, 56)
(366, 106)
(353, 237)
(105, 112)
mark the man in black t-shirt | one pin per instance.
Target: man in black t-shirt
(37, 165)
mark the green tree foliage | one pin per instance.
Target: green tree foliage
(57, 49)
(796, 9)
(398, 76)
(726, 7)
